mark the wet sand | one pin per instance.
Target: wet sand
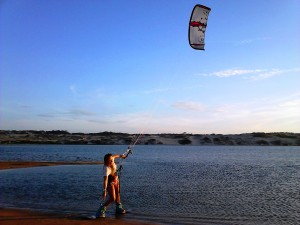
(16, 165)
(24, 217)
(30, 217)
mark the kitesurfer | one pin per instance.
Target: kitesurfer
(111, 185)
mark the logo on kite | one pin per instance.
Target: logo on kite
(197, 26)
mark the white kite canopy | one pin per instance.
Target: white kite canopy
(197, 26)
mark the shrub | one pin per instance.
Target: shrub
(262, 142)
(206, 140)
(151, 142)
(217, 141)
(286, 135)
(276, 142)
(260, 134)
(185, 141)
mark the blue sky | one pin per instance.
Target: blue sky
(126, 66)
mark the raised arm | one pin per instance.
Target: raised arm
(119, 156)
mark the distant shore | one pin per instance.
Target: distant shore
(112, 138)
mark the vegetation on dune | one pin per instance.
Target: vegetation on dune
(117, 138)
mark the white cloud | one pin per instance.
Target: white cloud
(158, 90)
(188, 105)
(251, 40)
(95, 94)
(79, 112)
(275, 112)
(234, 72)
(73, 89)
(46, 115)
(254, 74)
(71, 112)
(272, 72)
(292, 103)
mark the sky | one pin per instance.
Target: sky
(126, 66)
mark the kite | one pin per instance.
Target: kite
(197, 26)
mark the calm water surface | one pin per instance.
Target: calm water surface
(166, 184)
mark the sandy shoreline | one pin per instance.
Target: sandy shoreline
(22, 217)
(15, 164)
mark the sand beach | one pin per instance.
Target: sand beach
(16, 164)
(24, 217)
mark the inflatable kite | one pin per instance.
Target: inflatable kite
(197, 26)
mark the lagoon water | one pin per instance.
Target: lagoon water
(166, 184)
